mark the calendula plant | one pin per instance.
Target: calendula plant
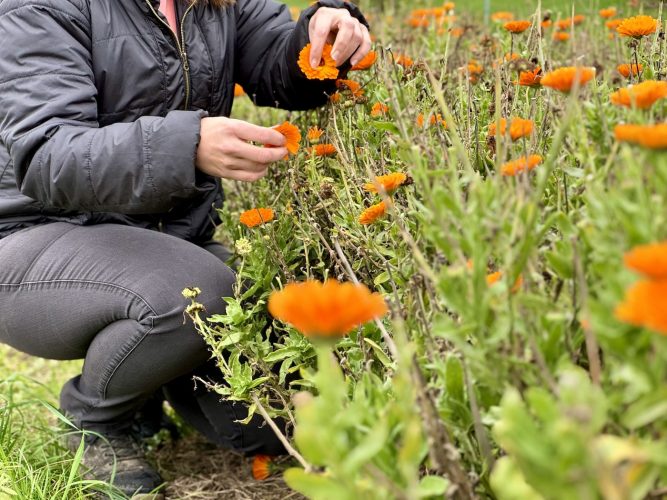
(495, 190)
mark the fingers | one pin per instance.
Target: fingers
(365, 47)
(348, 39)
(258, 155)
(318, 32)
(247, 176)
(262, 135)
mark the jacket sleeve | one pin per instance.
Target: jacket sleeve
(48, 121)
(267, 49)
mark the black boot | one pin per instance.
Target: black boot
(116, 457)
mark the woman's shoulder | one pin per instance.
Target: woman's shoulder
(70, 8)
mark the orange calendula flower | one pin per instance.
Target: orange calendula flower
(324, 150)
(292, 135)
(327, 69)
(352, 86)
(405, 61)
(608, 13)
(256, 217)
(515, 167)
(379, 109)
(568, 22)
(547, 23)
(437, 118)
(561, 36)
(493, 278)
(649, 260)
(564, 79)
(613, 24)
(645, 305)
(314, 134)
(474, 70)
(373, 213)
(261, 467)
(238, 90)
(389, 182)
(638, 26)
(643, 95)
(366, 63)
(629, 69)
(420, 120)
(517, 26)
(518, 128)
(648, 136)
(326, 310)
(502, 16)
(530, 78)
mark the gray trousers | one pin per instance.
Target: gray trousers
(111, 295)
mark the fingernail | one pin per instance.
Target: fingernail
(334, 55)
(313, 63)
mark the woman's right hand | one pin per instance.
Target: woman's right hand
(224, 149)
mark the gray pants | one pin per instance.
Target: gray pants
(111, 294)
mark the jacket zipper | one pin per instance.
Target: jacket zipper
(180, 47)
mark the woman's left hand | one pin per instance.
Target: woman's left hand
(348, 36)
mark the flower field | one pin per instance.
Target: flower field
(500, 191)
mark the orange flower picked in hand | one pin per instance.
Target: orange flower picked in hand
(326, 310)
(291, 134)
(638, 26)
(389, 182)
(565, 79)
(643, 95)
(256, 217)
(327, 69)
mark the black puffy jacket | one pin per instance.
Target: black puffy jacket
(100, 104)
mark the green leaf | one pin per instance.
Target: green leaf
(432, 486)
(454, 378)
(315, 486)
(387, 126)
(646, 410)
(379, 353)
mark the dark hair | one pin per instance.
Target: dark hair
(217, 3)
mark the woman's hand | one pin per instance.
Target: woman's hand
(346, 33)
(224, 149)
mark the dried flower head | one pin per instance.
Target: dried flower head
(565, 79)
(638, 26)
(256, 217)
(518, 128)
(516, 27)
(649, 260)
(522, 164)
(327, 69)
(648, 136)
(389, 182)
(373, 213)
(326, 310)
(643, 95)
